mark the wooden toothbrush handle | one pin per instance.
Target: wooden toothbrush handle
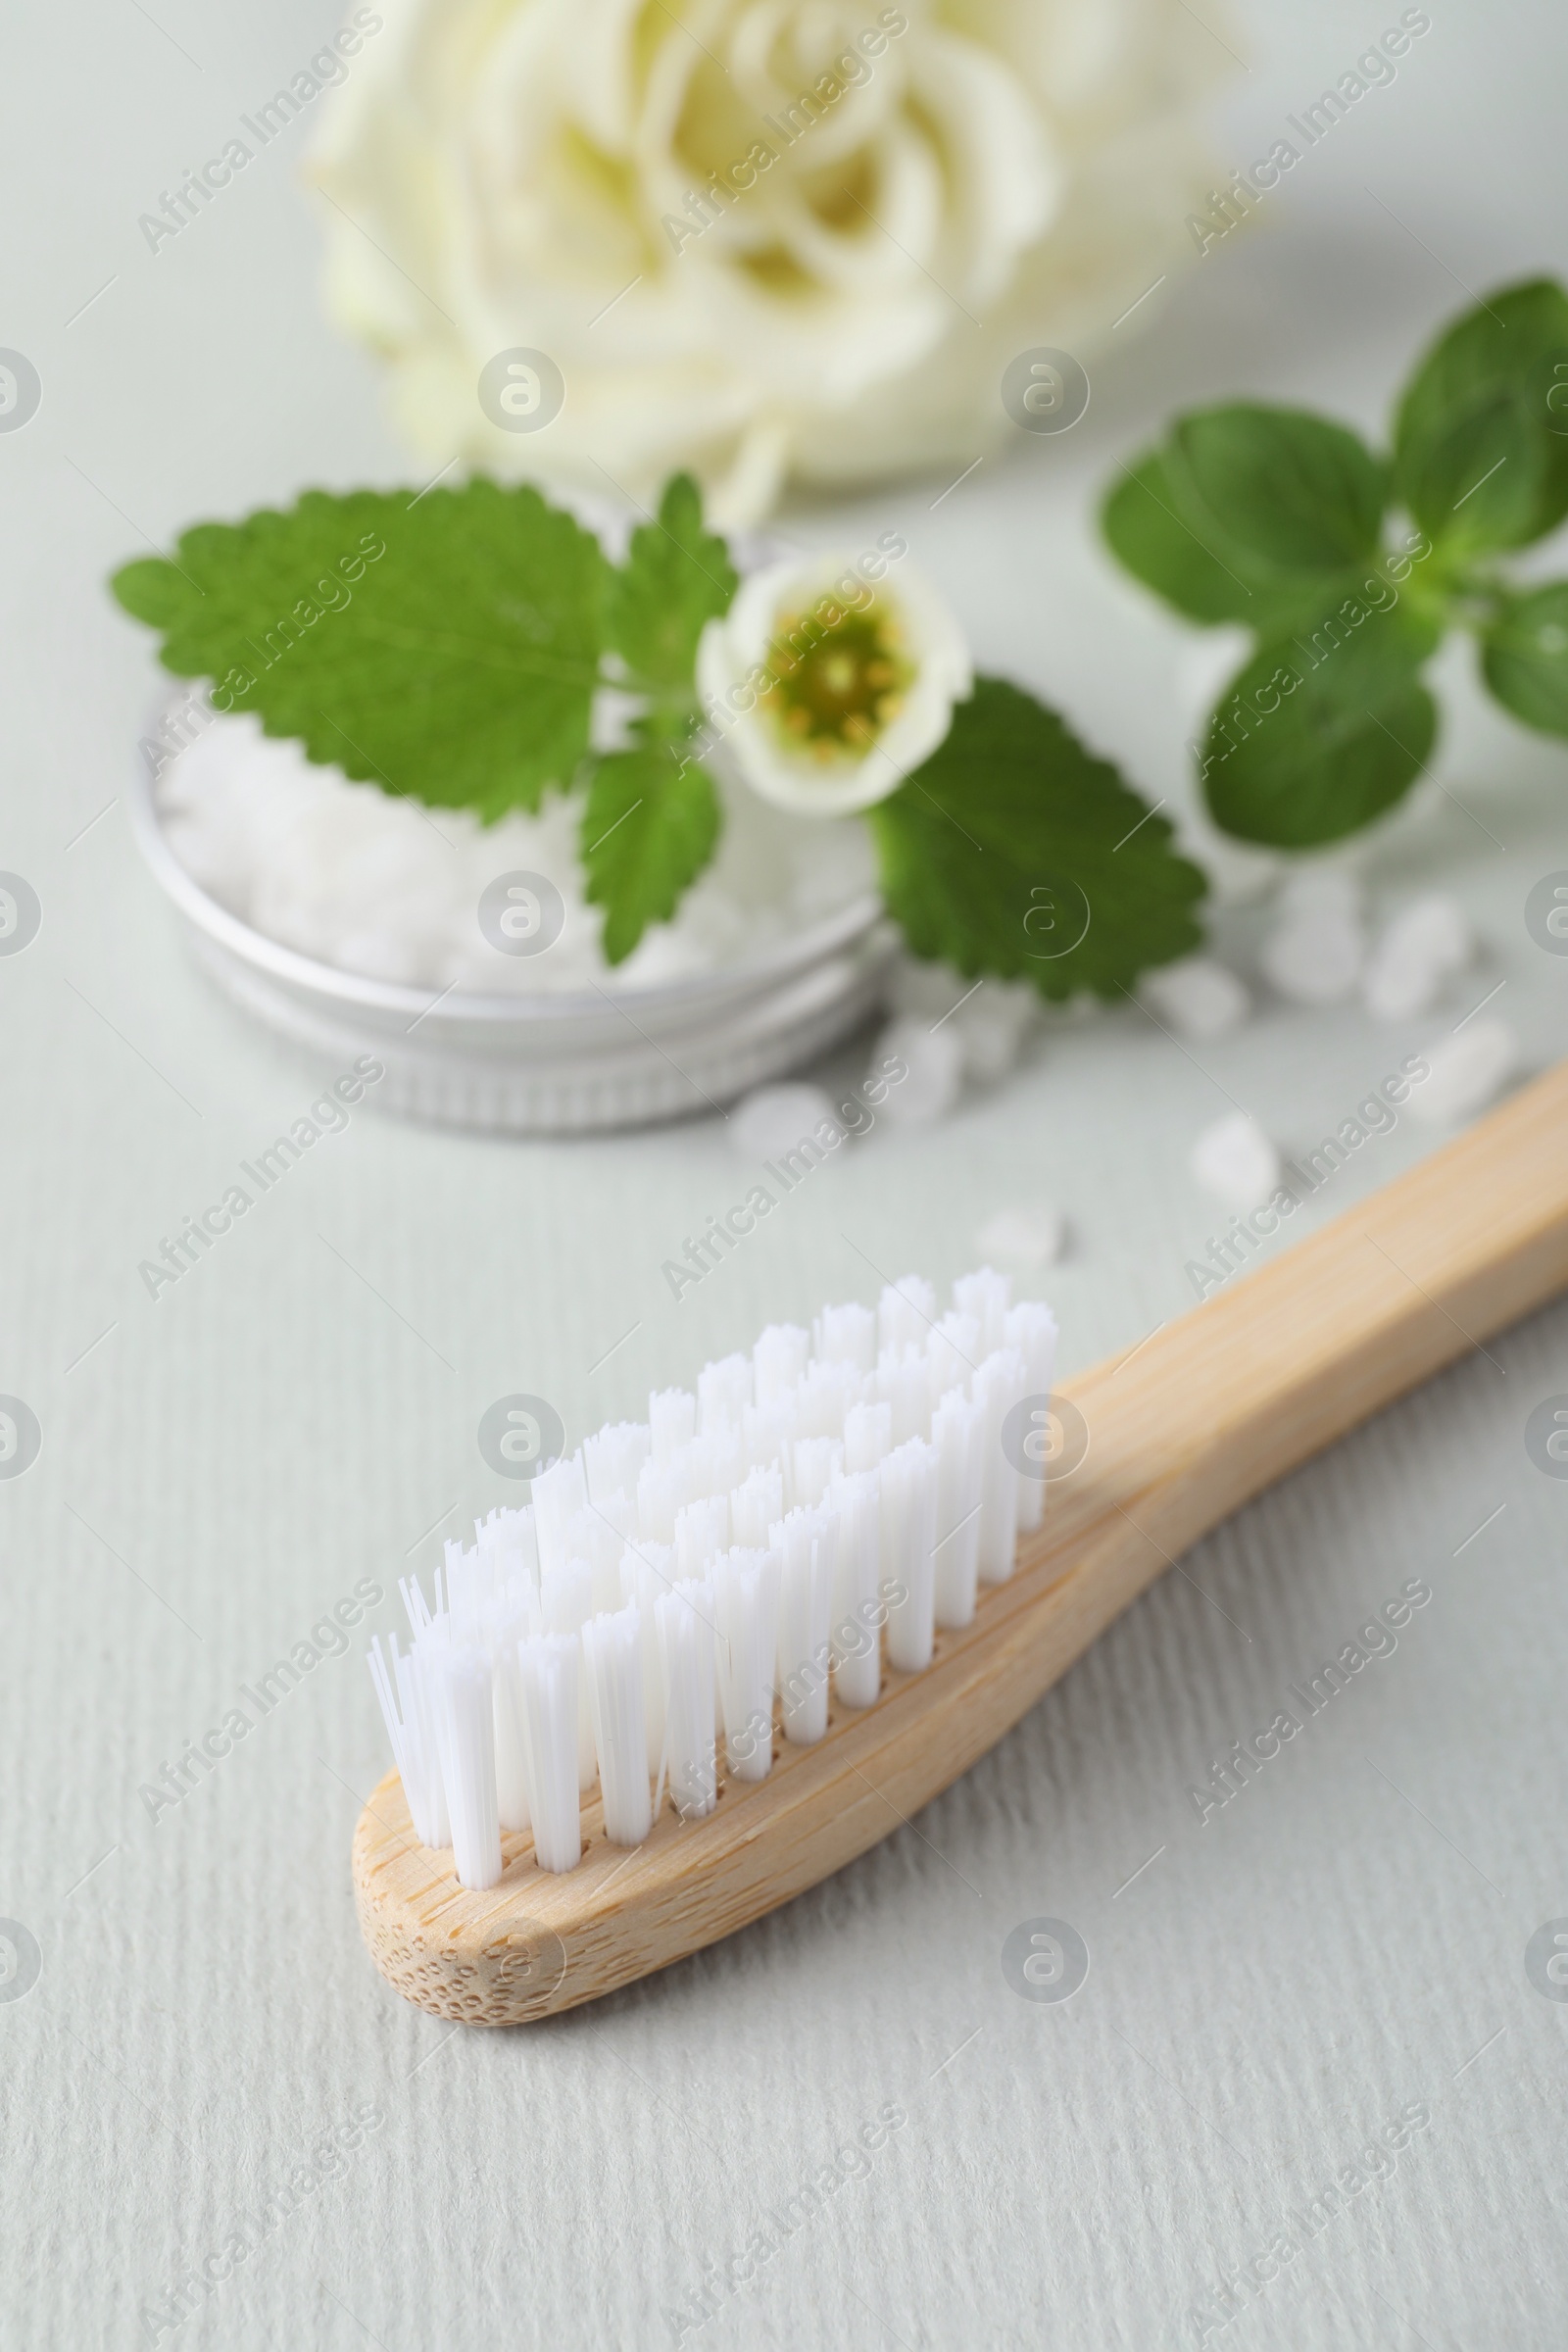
(1285, 1359)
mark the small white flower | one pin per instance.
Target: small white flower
(826, 690)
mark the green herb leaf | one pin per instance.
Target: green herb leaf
(1321, 732)
(1524, 656)
(1481, 439)
(445, 646)
(1013, 851)
(1249, 514)
(649, 827)
(676, 577)
(1294, 495)
(1146, 532)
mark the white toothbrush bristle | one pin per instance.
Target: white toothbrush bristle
(612, 1661)
(998, 1385)
(806, 1541)
(853, 1501)
(756, 1503)
(701, 1533)
(905, 1313)
(907, 1480)
(957, 1431)
(814, 1463)
(729, 1564)
(779, 1361)
(464, 1727)
(987, 1297)
(746, 1586)
(548, 1671)
(685, 1618)
(867, 1436)
(845, 1335)
(724, 1391)
(671, 1421)
(406, 1707)
(1032, 1329)
(647, 1570)
(613, 1457)
(558, 1495)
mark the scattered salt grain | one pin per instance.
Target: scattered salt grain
(1197, 997)
(1027, 1238)
(1467, 1071)
(992, 1025)
(1315, 952)
(1423, 947)
(933, 1059)
(1235, 1162)
(990, 1016)
(772, 1120)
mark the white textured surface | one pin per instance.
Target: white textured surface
(1340, 1942)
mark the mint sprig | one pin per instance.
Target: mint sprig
(1287, 522)
(650, 824)
(449, 644)
(1013, 851)
(677, 577)
(444, 646)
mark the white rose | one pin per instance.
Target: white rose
(757, 237)
(825, 691)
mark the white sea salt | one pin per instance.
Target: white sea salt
(1029, 1236)
(992, 1017)
(1197, 997)
(1421, 948)
(1467, 1071)
(934, 1061)
(388, 888)
(1235, 1162)
(1314, 953)
(992, 1025)
(772, 1120)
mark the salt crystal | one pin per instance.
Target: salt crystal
(1196, 997)
(379, 884)
(772, 1120)
(933, 1060)
(1425, 944)
(990, 1016)
(992, 1023)
(1314, 957)
(1028, 1237)
(1236, 1161)
(1467, 1071)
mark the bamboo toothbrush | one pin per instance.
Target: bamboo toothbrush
(647, 1700)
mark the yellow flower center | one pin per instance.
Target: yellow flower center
(836, 685)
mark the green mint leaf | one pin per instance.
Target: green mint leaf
(1524, 658)
(445, 646)
(1322, 731)
(649, 827)
(1148, 533)
(1481, 439)
(1292, 494)
(1013, 851)
(676, 577)
(1249, 514)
